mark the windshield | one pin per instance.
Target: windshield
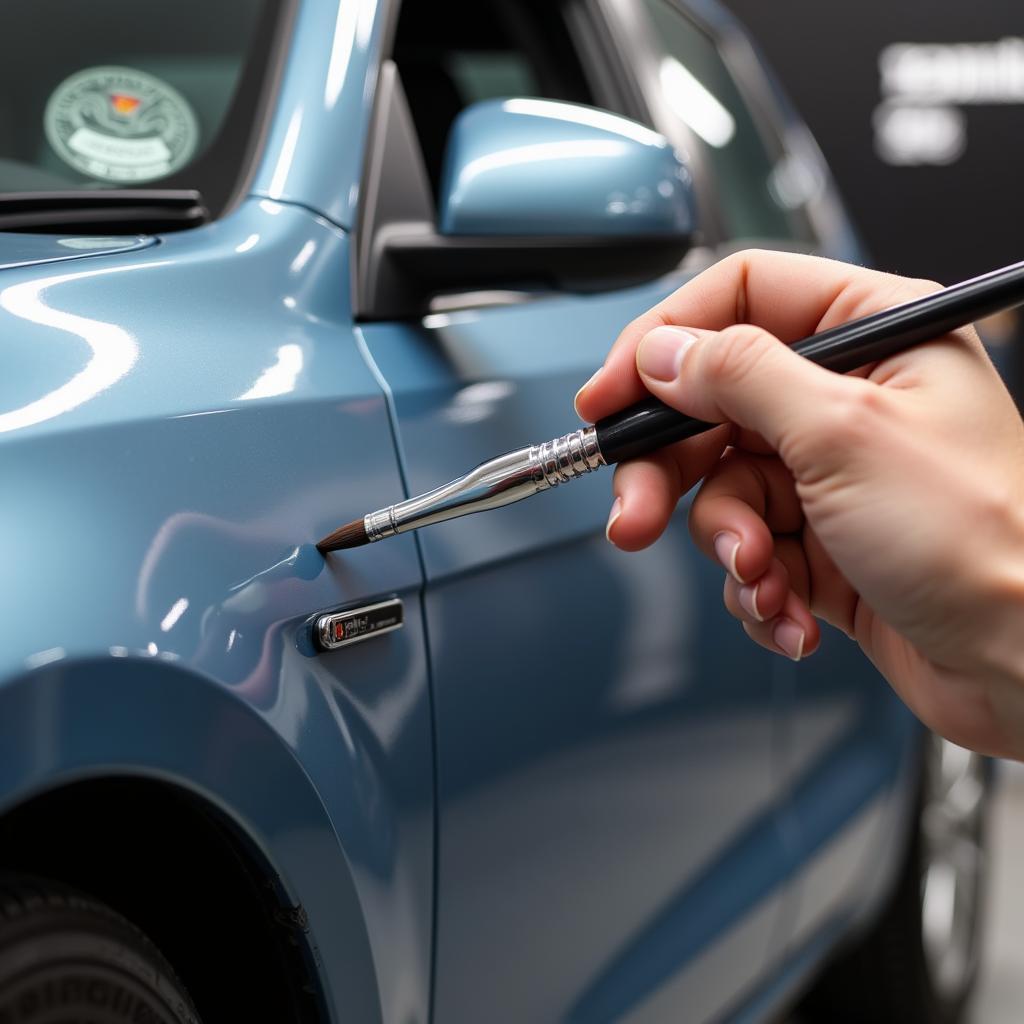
(123, 94)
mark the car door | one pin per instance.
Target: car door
(846, 740)
(607, 836)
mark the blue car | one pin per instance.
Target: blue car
(267, 266)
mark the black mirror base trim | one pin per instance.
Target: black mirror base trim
(416, 265)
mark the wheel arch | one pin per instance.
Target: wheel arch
(118, 771)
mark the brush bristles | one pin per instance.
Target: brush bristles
(351, 535)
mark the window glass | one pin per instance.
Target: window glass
(699, 89)
(121, 94)
(479, 50)
(483, 76)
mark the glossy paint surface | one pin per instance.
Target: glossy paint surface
(641, 815)
(183, 422)
(536, 167)
(607, 803)
(847, 736)
(314, 150)
(21, 250)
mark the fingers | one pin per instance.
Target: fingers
(793, 632)
(647, 490)
(788, 294)
(746, 376)
(646, 493)
(774, 612)
(834, 599)
(743, 501)
(744, 518)
(760, 601)
(767, 584)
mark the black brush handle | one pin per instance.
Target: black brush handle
(650, 424)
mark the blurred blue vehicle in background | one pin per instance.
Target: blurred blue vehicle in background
(266, 266)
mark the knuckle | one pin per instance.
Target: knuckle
(853, 419)
(735, 353)
(923, 286)
(875, 292)
(646, 321)
(995, 507)
(855, 413)
(743, 257)
(694, 515)
(629, 337)
(735, 260)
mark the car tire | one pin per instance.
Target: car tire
(919, 962)
(67, 957)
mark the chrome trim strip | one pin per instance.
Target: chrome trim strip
(358, 624)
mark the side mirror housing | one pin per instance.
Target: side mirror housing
(538, 167)
(533, 193)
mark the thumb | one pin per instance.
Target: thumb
(742, 375)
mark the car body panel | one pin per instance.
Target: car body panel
(604, 746)
(848, 745)
(69, 720)
(557, 181)
(22, 250)
(848, 738)
(315, 145)
(192, 452)
(181, 419)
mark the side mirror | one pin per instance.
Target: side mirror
(537, 167)
(532, 192)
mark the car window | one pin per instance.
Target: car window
(699, 89)
(478, 50)
(117, 94)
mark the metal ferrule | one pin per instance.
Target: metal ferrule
(498, 482)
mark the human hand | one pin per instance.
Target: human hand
(889, 503)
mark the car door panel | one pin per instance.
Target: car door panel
(849, 761)
(604, 743)
(847, 743)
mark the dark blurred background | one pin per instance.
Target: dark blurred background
(919, 108)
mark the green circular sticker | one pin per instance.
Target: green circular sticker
(120, 124)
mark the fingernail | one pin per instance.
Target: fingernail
(727, 546)
(594, 376)
(612, 516)
(789, 638)
(747, 597)
(661, 351)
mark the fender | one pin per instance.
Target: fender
(69, 721)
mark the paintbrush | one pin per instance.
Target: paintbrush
(650, 424)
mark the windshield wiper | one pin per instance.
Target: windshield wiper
(103, 211)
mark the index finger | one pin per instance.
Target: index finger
(789, 294)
